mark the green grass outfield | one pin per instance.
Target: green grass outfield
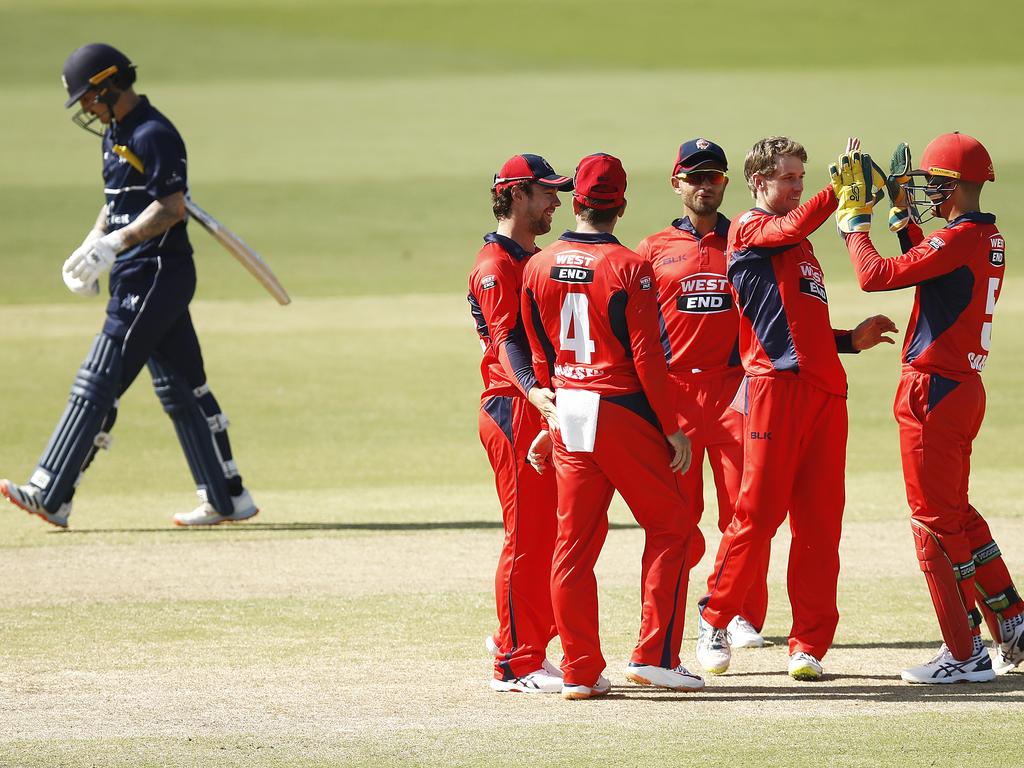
(352, 143)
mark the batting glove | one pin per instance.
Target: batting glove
(75, 285)
(90, 260)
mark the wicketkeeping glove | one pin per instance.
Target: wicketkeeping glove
(852, 182)
(899, 170)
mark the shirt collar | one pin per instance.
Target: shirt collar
(589, 237)
(514, 249)
(721, 226)
(977, 217)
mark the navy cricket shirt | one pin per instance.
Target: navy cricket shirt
(157, 143)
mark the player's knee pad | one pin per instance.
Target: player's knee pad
(194, 434)
(956, 622)
(73, 442)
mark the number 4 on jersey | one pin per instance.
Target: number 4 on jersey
(574, 333)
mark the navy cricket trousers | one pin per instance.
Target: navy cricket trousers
(148, 314)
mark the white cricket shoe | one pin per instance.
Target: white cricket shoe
(27, 497)
(600, 688)
(678, 679)
(743, 635)
(205, 514)
(713, 647)
(944, 669)
(803, 666)
(1010, 651)
(538, 681)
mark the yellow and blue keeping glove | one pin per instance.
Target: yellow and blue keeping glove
(857, 183)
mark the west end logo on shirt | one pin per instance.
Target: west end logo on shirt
(812, 281)
(997, 252)
(704, 292)
(573, 267)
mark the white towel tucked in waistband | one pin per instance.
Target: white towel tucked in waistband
(577, 418)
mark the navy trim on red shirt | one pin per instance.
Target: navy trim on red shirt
(593, 238)
(976, 217)
(685, 225)
(514, 249)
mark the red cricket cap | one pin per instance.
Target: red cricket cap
(530, 168)
(958, 156)
(600, 182)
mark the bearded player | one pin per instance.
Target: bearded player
(794, 403)
(524, 197)
(957, 274)
(701, 341)
(592, 320)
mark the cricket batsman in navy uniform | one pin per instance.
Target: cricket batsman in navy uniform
(957, 274)
(140, 236)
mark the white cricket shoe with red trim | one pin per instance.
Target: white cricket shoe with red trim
(27, 497)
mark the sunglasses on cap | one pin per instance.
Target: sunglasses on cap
(506, 179)
(703, 177)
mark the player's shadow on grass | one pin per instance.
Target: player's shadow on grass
(451, 525)
(909, 644)
(1002, 690)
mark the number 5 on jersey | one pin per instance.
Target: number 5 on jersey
(574, 331)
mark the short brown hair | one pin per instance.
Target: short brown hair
(501, 201)
(763, 156)
(597, 216)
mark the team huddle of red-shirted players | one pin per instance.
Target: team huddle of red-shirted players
(609, 369)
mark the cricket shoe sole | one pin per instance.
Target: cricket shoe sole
(805, 667)
(538, 681)
(678, 679)
(578, 692)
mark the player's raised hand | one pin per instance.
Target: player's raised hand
(681, 447)
(539, 454)
(899, 174)
(853, 191)
(871, 332)
(543, 400)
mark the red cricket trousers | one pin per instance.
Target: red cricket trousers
(522, 584)
(938, 420)
(715, 429)
(794, 459)
(631, 456)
